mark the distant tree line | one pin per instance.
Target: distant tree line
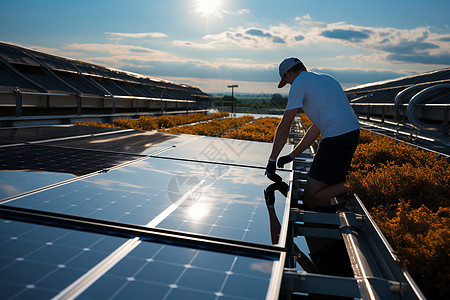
(270, 101)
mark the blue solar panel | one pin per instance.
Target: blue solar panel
(132, 142)
(228, 151)
(17, 182)
(216, 200)
(61, 160)
(37, 262)
(39, 133)
(196, 185)
(167, 272)
(135, 193)
(233, 207)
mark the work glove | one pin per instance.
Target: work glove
(284, 160)
(270, 171)
(269, 192)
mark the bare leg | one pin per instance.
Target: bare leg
(318, 192)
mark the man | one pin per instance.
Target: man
(322, 99)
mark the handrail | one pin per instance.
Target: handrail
(399, 98)
(96, 96)
(414, 102)
(356, 92)
(401, 105)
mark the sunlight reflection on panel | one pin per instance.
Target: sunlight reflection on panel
(198, 211)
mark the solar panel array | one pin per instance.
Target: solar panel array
(124, 214)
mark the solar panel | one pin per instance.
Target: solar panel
(229, 151)
(169, 272)
(39, 261)
(216, 200)
(201, 199)
(13, 183)
(232, 206)
(131, 142)
(39, 133)
(60, 160)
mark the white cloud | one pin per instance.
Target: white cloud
(367, 46)
(242, 11)
(118, 55)
(256, 38)
(137, 35)
(306, 17)
(193, 45)
(118, 50)
(418, 45)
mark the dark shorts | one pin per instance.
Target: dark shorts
(333, 159)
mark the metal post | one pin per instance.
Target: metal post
(18, 102)
(78, 104)
(232, 96)
(162, 103)
(445, 124)
(114, 104)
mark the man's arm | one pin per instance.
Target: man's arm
(308, 139)
(282, 132)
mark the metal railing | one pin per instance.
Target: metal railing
(401, 112)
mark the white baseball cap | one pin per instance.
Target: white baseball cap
(285, 66)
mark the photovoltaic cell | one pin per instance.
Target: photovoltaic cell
(37, 262)
(39, 133)
(17, 182)
(199, 185)
(132, 142)
(60, 160)
(231, 205)
(216, 200)
(169, 272)
(136, 193)
(229, 151)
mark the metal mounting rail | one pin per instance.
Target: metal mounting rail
(159, 235)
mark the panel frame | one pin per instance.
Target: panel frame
(173, 237)
(137, 234)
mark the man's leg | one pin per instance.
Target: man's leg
(318, 192)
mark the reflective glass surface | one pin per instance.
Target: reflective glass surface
(39, 133)
(212, 199)
(17, 182)
(229, 204)
(133, 142)
(202, 185)
(154, 271)
(230, 151)
(57, 159)
(37, 262)
(135, 194)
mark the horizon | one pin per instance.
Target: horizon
(212, 44)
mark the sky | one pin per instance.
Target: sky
(211, 44)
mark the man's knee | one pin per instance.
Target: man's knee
(310, 201)
(312, 187)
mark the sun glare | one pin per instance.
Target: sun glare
(208, 7)
(198, 211)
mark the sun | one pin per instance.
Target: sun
(208, 7)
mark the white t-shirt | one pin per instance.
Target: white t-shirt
(324, 102)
